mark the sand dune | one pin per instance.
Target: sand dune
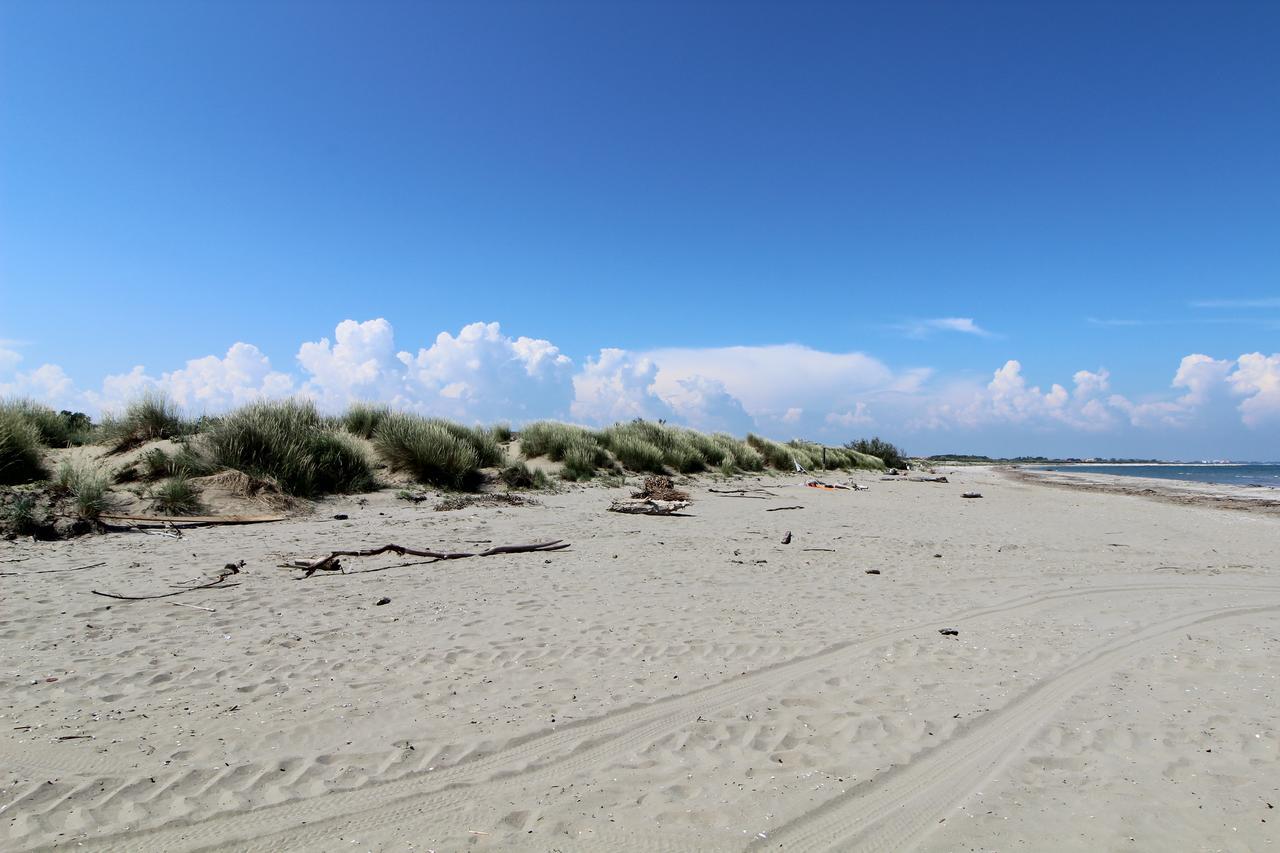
(682, 683)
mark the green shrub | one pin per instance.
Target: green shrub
(518, 475)
(176, 496)
(890, 455)
(433, 451)
(87, 485)
(152, 416)
(19, 449)
(363, 419)
(290, 443)
(501, 433)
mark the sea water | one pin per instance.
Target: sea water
(1258, 475)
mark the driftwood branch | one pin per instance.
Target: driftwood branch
(743, 493)
(647, 507)
(330, 563)
(54, 571)
(219, 583)
(781, 508)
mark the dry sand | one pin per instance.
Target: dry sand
(682, 683)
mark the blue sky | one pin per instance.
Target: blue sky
(907, 196)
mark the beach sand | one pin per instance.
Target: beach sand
(680, 683)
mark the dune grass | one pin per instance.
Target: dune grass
(363, 419)
(290, 443)
(582, 458)
(56, 429)
(176, 496)
(550, 439)
(518, 475)
(150, 417)
(87, 485)
(20, 447)
(738, 454)
(433, 451)
(19, 517)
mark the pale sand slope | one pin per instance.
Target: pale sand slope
(682, 683)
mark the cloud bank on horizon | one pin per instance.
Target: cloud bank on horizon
(482, 374)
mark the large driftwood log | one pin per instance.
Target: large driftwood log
(647, 507)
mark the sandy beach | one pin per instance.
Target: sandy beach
(677, 683)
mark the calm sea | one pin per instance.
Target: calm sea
(1235, 475)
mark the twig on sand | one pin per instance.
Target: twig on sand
(220, 583)
(781, 508)
(832, 550)
(193, 606)
(331, 564)
(742, 493)
(53, 571)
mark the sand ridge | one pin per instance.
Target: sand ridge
(682, 683)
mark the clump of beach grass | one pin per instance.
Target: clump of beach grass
(87, 485)
(152, 416)
(363, 419)
(155, 464)
(581, 460)
(518, 475)
(290, 443)
(176, 496)
(741, 455)
(56, 429)
(20, 447)
(19, 517)
(433, 451)
(551, 439)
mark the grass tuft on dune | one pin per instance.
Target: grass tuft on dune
(431, 450)
(290, 443)
(150, 417)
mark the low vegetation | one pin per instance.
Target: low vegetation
(152, 416)
(363, 419)
(55, 429)
(880, 449)
(87, 486)
(19, 516)
(518, 475)
(288, 442)
(20, 449)
(433, 451)
(305, 454)
(176, 496)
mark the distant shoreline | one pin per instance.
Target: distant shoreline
(1265, 501)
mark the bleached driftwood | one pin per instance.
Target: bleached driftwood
(647, 506)
(332, 564)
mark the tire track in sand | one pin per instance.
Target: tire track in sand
(897, 809)
(544, 756)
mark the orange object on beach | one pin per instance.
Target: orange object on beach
(818, 484)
